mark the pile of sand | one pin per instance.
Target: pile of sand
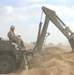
(55, 61)
(51, 61)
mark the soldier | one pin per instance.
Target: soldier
(14, 38)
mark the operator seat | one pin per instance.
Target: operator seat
(12, 40)
(13, 43)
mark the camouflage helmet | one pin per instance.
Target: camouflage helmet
(12, 27)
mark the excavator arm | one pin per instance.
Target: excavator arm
(60, 25)
(50, 15)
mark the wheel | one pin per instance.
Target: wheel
(7, 64)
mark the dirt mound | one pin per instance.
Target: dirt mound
(55, 61)
(51, 61)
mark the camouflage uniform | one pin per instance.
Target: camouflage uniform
(13, 37)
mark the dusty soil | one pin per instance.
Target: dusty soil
(51, 61)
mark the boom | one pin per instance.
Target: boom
(51, 15)
(60, 25)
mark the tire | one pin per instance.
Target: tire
(7, 64)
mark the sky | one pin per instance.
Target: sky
(25, 16)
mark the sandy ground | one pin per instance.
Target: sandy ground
(51, 61)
